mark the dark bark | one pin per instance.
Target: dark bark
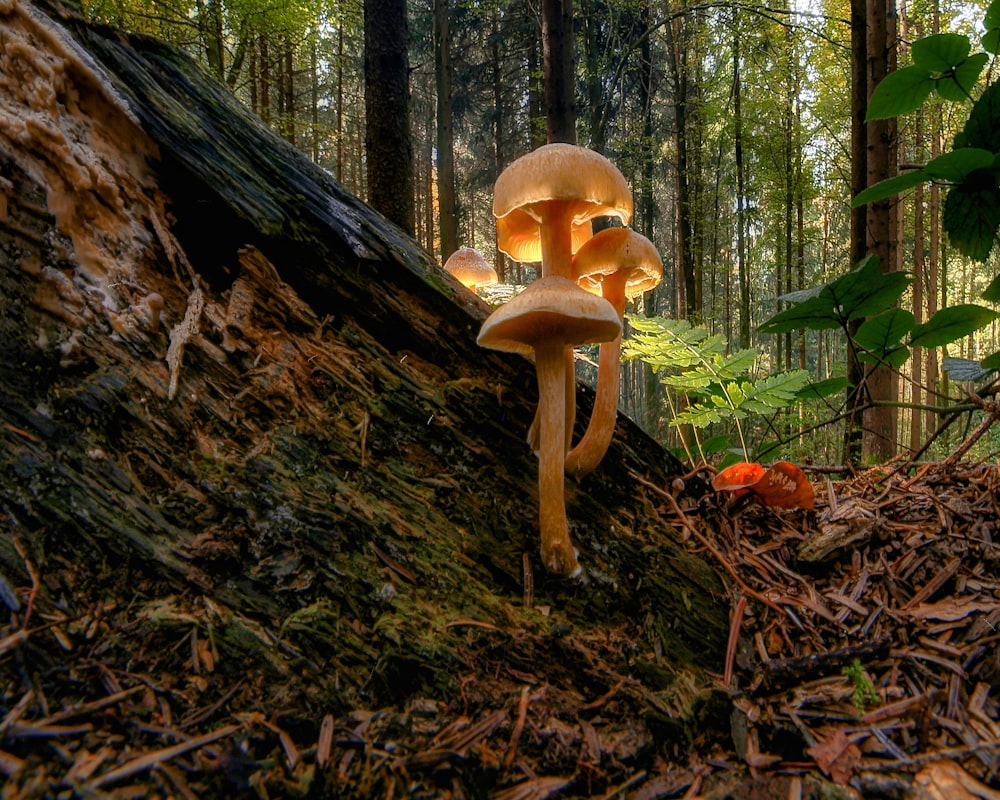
(388, 145)
(557, 65)
(448, 224)
(305, 456)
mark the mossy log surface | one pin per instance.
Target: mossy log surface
(302, 491)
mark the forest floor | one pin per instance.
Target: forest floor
(864, 662)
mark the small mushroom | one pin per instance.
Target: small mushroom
(152, 306)
(553, 313)
(469, 268)
(549, 196)
(620, 264)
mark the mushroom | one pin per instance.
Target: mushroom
(620, 264)
(154, 305)
(553, 313)
(544, 203)
(548, 194)
(470, 269)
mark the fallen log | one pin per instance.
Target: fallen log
(255, 463)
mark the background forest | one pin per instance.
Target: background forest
(732, 123)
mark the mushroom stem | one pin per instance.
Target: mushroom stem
(533, 430)
(584, 458)
(558, 553)
(556, 231)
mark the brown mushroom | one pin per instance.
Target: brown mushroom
(469, 268)
(553, 313)
(555, 190)
(544, 203)
(620, 264)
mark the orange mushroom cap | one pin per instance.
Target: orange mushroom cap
(469, 268)
(585, 181)
(618, 250)
(548, 309)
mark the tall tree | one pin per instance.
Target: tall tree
(447, 217)
(388, 145)
(558, 68)
(882, 228)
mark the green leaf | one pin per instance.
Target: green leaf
(950, 324)
(880, 338)
(715, 444)
(972, 214)
(982, 128)
(867, 290)
(940, 52)
(890, 187)
(825, 388)
(900, 92)
(862, 291)
(992, 293)
(991, 362)
(956, 165)
(816, 314)
(991, 39)
(958, 85)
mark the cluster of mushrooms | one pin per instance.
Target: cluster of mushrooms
(544, 204)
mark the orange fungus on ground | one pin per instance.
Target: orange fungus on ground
(784, 485)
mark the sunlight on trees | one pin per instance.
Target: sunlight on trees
(732, 124)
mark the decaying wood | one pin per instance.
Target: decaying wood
(277, 537)
(256, 465)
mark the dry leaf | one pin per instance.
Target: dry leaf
(837, 756)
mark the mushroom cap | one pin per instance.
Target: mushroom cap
(556, 172)
(618, 249)
(551, 308)
(518, 236)
(469, 268)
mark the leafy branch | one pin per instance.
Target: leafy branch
(717, 386)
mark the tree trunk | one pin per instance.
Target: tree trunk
(250, 445)
(557, 67)
(687, 306)
(741, 198)
(856, 391)
(388, 144)
(881, 421)
(447, 217)
(499, 122)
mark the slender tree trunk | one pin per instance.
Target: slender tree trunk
(536, 83)
(388, 144)
(741, 246)
(675, 30)
(499, 118)
(265, 80)
(557, 67)
(596, 99)
(650, 385)
(856, 391)
(314, 94)
(881, 422)
(340, 96)
(289, 88)
(448, 220)
(934, 256)
(253, 75)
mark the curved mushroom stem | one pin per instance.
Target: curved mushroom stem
(584, 458)
(558, 553)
